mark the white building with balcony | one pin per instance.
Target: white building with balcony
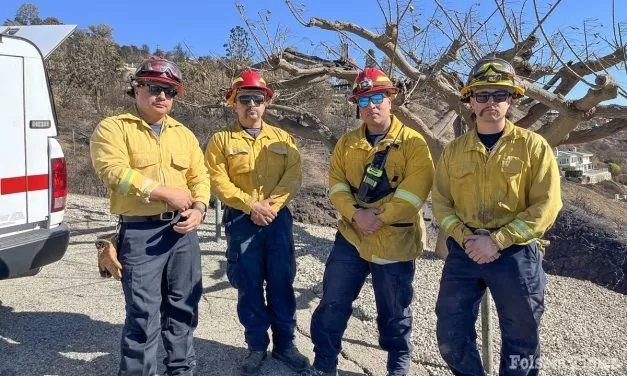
(578, 166)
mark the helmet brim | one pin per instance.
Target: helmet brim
(467, 90)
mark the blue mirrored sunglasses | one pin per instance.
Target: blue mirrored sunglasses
(245, 99)
(377, 98)
(155, 89)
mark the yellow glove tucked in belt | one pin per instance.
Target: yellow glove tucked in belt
(108, 263)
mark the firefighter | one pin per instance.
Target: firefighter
(496, 191)
(379, 178)
(256, 170)
(159, 186)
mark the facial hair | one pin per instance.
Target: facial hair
(251, 115)
(483, 110)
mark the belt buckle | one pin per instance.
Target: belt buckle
(166, 216)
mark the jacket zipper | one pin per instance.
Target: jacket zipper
(162, 173)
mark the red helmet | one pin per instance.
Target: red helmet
(159, 69)
(247, 80)
(371, 80)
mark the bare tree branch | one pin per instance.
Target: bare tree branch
(581, 109)
(613, 111)
(314, 131)
(596, 133)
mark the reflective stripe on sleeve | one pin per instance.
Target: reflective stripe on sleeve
(449, 221)
(522, 229)
(409, 197)
(129, 176)
(339, 187)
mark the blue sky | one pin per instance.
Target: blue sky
(204, 25)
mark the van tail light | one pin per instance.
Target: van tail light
(59, 184)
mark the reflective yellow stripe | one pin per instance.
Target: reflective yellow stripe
(340, 187)
(449, 221)
(522, 229)
(409, 197)
(126, 182)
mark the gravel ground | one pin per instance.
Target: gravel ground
(67, 321)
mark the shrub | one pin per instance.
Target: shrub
(614, 168)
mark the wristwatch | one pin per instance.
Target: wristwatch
(201, 208)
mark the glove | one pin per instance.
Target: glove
(108, 263)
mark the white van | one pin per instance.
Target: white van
(33, 184)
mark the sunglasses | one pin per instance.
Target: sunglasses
(257, 99)
(364, 102)
(498, 96)
(156, 90)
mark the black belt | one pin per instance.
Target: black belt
(169, 216)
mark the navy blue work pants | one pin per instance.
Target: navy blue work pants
(256, 254)
(344, 276)
(161, 279)
(516, 281)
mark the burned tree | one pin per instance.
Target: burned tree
(539, 60)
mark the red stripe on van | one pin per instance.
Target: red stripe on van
(19, 184)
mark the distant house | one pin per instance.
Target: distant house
(574, 160)
(577, 166)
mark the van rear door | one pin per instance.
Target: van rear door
(28, 128)
(14, 182)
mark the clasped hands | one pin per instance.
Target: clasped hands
(366, 220)
(481, 248)
(261, 213)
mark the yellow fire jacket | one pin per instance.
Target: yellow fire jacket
(131, 160)
(515, 189)
(409, 170)
(245, 169)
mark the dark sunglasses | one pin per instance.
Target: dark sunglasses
(245, 99)
(156, 90)
(364, 102)
(498, 96)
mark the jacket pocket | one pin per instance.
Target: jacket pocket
(238, 161)
(276, 157)
(180, 161)
(398, 243)
(511, 169)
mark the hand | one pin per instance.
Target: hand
(481, 248)
(367, 221)
(262, 213)
(178, 199)
(193, 218)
